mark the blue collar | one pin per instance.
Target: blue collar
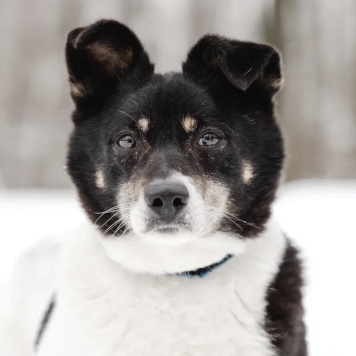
(202, 272)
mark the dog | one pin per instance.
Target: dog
(177, 174)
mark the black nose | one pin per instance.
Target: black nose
(166, 199)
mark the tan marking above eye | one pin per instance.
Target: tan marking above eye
(247, 172)
(143, 124)
(189, 124)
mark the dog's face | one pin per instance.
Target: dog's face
(178, 159)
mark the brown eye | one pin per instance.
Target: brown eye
(209, 139)
(126, 141)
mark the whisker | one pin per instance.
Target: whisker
(127, 228)
(116, 209)
(247, 223)
(231, 215)
(234, 222)
(118, 228)
(125, 113)
(107, 220)
(112, 226)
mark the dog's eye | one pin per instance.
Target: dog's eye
(126, 141)
(209, 139)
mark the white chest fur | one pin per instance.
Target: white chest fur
(105, 310)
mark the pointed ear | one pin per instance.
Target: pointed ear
(100, 56)
(242, 63)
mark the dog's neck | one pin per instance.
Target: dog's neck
(203, 271)
(196, 257)
(144, 256)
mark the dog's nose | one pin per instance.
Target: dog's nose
(166, 199)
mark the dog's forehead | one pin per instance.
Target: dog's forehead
(170, 102)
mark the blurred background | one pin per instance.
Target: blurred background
(317, 39)
(317, 110)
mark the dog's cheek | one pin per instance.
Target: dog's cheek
(130, 162)
(217, 162)
(215, 197)
(127, 161)
(100, 181)
(125, 196)
(116, 171)
(128, 196)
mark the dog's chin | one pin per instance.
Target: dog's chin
(160, 252)
(171, 235)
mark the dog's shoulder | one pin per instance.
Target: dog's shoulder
(284, 305)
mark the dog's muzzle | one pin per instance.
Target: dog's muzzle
(166, 200)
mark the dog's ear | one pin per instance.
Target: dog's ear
(242, 63)
(102, 55)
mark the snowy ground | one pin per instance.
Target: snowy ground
(318, 215)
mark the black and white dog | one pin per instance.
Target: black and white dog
(177, 174)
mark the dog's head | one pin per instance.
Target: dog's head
(180, 161)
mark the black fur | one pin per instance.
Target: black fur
(213, 88)
(227, 86)
(284, 319)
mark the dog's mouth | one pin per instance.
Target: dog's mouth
(168, 228)
(168, 233)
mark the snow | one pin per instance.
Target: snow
(318, 215)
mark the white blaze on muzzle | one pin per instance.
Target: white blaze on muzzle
(176, 206)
